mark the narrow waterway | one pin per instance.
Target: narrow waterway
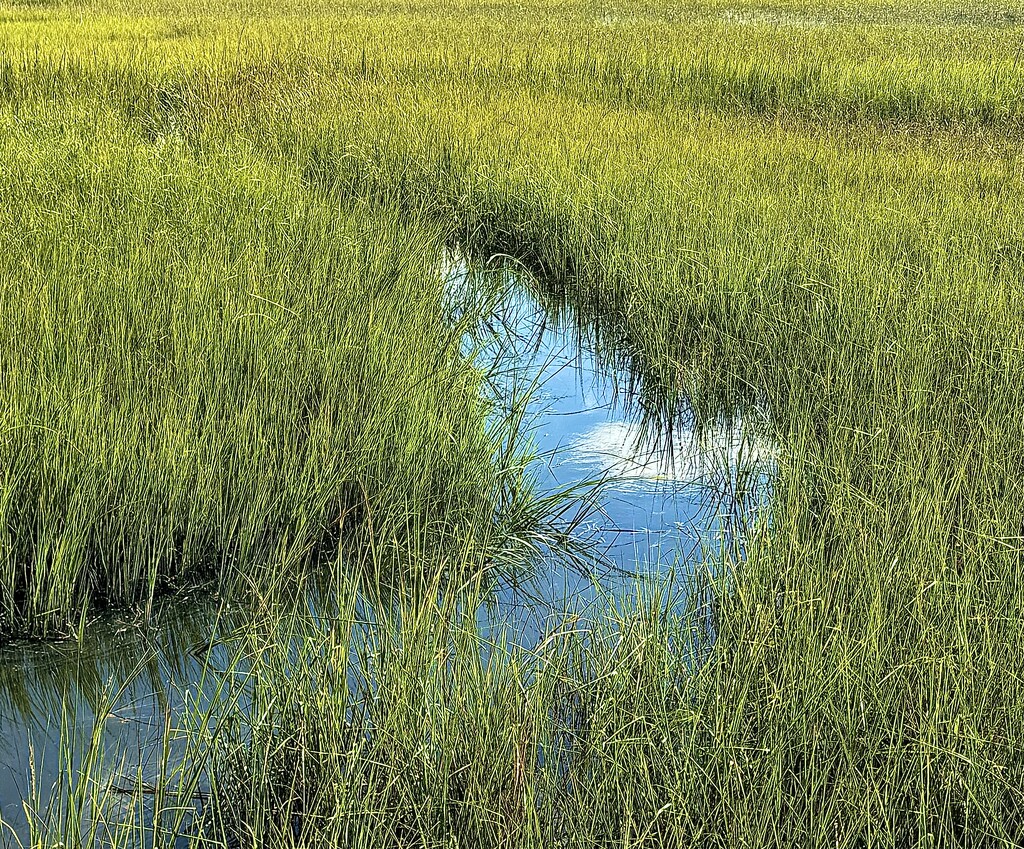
(673, 497)
(670, 499)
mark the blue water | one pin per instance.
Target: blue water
(669, 501)
(672, 499)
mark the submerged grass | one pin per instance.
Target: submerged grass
(214, 259)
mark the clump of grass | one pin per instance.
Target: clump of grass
(423, 730)
(208, 368)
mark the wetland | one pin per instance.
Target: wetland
(513, 424)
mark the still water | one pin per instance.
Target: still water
(670, 497)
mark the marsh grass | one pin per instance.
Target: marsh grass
(410, 725)
(205, 368)
(822, 223)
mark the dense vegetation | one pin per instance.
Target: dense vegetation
(192, 365)
(220, 242)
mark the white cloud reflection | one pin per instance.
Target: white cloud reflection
(624, 450)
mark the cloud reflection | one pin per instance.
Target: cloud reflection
(625, 450)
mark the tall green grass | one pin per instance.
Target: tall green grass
(822, 223)
(208, 369)
(863, 291)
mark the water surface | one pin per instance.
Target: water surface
(672, 497)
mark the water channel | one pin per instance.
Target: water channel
(670, 499)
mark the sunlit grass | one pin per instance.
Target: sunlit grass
(206, 368)
(812, 209)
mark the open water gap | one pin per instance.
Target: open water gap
(671, 499)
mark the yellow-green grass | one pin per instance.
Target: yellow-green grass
(820, 220)
(207, 368)
(918, 62)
